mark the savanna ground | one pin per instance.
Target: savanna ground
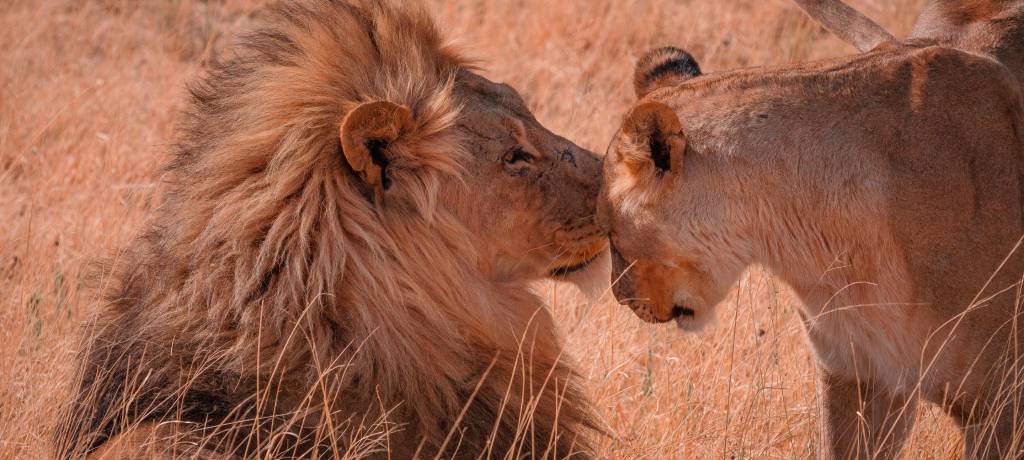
(88, 96)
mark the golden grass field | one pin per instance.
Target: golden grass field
(89, 90)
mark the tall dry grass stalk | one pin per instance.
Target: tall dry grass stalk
(88, 95)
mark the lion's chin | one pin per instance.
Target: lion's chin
(581, 262)
(592, 280)
(562, 272)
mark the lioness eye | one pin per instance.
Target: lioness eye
(517, 155)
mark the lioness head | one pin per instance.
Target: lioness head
(661, 264)
(531, 191)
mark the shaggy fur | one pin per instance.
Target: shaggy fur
(274, 306)
(887, 189)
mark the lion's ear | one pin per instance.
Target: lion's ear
(663, 67)
(655, 137)
(367, 132)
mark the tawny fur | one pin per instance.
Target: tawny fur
(991, 27)
(887, 189)
(272, 290)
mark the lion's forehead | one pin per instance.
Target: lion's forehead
(482, 95)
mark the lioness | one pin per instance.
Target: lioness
(887, 189)
(339, 265)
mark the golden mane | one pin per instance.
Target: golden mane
(269, 288)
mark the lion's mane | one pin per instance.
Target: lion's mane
(270, 292)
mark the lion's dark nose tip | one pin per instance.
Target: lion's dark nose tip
(678, 311)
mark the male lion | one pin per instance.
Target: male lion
(339, 263)
(887, 189)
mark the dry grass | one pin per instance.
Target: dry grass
(88, 93)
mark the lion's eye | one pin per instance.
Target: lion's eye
(517, 156)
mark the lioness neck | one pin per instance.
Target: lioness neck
(822, 230)
(813, 218)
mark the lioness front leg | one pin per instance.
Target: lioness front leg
(860, 420)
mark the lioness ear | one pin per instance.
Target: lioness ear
(655, 136)
(663, 67)
(366, 133)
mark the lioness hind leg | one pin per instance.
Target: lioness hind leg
(860, 420)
